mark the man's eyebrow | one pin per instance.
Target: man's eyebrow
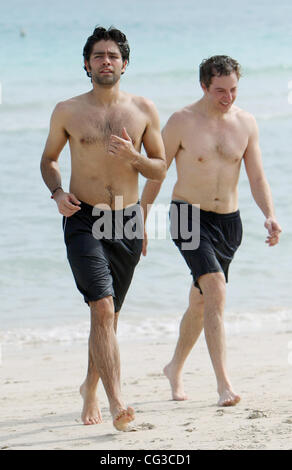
(221, 88)
(103, 52)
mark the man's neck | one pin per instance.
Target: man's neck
(210, 111)
(105, 96)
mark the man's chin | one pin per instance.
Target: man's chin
(106, 81)
(224, 109)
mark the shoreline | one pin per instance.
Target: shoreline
(41, 402)
(141, 327)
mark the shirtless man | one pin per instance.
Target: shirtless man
(106, 128)
(209, 139)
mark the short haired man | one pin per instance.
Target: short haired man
(209, 139)
(106, 128)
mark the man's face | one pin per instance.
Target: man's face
(105, 63)
(222, 91)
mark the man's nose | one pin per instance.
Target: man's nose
(228, 96)
(106, 59)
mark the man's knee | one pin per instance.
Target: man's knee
(102, 311)
(213, 286)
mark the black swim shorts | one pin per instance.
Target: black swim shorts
(103, 249)
(214, 241)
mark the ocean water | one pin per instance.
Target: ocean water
(41, 64)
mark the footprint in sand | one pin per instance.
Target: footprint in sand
(141, 427)
(288, 420)
(255, 414)
(155, 374)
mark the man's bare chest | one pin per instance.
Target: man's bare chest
(95, 128)
(220, 144)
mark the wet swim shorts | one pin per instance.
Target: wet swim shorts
(215, 238)
(103, 249)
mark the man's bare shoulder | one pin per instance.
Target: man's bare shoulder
(245, 118)
(71, 103)
(145, 105)
(242, 114)
(180, 118)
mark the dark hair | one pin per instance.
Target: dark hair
(111, 34)
(216, 66)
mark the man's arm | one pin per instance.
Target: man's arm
(171, 139)
(153, 166)
(259, 185)
(57, 138)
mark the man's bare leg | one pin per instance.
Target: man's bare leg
(105, 356)
(214, 289)
(91, 413)
(190, 329)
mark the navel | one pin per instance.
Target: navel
(110, 190)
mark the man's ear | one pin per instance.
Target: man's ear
(203, 86)
(87, 66)
(124, 67)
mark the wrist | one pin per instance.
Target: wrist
(136, 158)
(56, 191)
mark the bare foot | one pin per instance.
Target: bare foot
(228, 398)
(91, 413)
(176, 384)
(123, 418)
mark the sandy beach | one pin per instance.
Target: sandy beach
(40, 403)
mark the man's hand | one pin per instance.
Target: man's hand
(274, 230)
(67, 203)
(123, 147)
(145, 243)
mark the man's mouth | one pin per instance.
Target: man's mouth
(106, 71)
